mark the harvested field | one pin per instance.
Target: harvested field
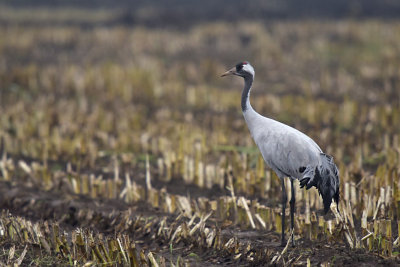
(120, 144)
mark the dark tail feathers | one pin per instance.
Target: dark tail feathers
(325, 178)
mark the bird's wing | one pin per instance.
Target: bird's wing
(287, 151)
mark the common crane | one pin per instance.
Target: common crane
(288, 152)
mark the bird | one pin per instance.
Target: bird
(288, 152)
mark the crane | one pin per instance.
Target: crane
(288, 152)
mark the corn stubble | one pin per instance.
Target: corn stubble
(129, 128)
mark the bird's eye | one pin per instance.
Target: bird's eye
(239, 67)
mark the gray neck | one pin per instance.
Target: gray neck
(248, 81)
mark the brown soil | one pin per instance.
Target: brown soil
(70, 211)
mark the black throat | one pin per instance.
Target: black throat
(248, 81)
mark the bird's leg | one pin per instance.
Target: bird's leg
(292, 207)
(284, 199)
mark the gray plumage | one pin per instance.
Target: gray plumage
(288, 152)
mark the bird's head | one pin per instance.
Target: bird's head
(242, 69)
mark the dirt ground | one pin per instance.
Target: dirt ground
(70, 210)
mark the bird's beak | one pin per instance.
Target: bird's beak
(230, 72)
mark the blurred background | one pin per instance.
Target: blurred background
(91, 87)
(142, 68)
